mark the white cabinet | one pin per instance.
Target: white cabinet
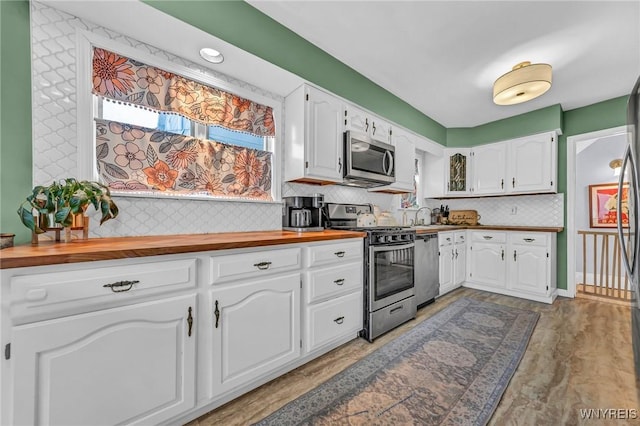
(530, 263)
(514, 263)
(313, 136)
(405, 157)
(255, 328)
(126, 365)
(532, 165)
(489, 168)
(358, 120)
(333, 288)
(486, 262)
(457, 171)
(452, 252)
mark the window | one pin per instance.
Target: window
(161, 129)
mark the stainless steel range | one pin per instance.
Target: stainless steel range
(389, 292)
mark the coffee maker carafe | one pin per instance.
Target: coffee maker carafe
(302, 213)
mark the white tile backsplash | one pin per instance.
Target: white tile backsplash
(531, 210)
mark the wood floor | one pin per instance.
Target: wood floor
(579, 357)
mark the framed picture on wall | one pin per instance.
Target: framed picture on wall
(603, 205)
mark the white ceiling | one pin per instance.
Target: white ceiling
(443, 56)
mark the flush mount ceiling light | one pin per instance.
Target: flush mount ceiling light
(523, 83)
(211, 55)
(616, 165)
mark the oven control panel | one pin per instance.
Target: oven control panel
(392, 238)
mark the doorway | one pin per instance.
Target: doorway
(592, 252)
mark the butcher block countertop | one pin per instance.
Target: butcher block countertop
(49, 253)
(432, 229)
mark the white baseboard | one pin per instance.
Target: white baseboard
(566, 293)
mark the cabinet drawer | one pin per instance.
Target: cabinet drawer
(539, 239)
(460, 237)
(333, 319)
(445, 239)
(330, 282)
(324, 254)
(77, 290)
(489, 236)
(254, 264)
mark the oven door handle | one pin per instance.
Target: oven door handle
(375, 249)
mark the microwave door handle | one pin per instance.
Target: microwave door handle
(388, 158)
(628, 161)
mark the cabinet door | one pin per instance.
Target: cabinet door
(447, 256)
(532, 164)
(529, 269)
(256, 329)
(460, 265)
(356, 120)
(380, 130)
(489, 168)
(487, 264)
(457, 171)
(130, 365)
(324, 136)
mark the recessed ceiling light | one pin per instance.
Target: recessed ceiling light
(211, 55)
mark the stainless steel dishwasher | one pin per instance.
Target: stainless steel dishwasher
(427, 285)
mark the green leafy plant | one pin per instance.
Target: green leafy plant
(64, 199)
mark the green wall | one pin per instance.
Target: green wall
(15, 115)
(538, 121)
(267, 39)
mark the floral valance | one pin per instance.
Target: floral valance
(139, 159)
(123, 79)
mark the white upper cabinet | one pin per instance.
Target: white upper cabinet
(532, 164)
(489, 169)
(358, 120)
(313, 136)
(457, 171)
(405, 163)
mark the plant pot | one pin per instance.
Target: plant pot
(48, 221)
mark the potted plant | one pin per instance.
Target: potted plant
(58, 203)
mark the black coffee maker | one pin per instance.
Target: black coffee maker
(302, 213)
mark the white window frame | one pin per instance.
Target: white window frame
(85, 42)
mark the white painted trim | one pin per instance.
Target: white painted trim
(85, 40)
(565, 293)
(571, 200)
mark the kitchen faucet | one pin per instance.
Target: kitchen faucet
(415, 220)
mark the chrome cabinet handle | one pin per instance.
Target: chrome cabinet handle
(487, 237)
(339, 281)
(262, 265)
(529, 240)
(339, 253)
(216, 312)
(118, 284)
(190, 321)
(339, 320)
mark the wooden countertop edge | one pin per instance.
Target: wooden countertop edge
(445, 228)
(95, 249)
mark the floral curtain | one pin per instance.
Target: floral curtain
(123, 79)
(140, 159)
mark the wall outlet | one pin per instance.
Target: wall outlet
(514, 210)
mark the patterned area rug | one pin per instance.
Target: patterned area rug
(450, 369)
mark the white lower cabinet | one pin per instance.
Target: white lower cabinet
(452, 251)
(514, 263)
(333, 291)
(256, 329)
(127, 365)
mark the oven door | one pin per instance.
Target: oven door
(391, 276)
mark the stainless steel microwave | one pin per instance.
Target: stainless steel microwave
(368, 163)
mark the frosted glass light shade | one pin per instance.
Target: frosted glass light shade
(523, 83)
